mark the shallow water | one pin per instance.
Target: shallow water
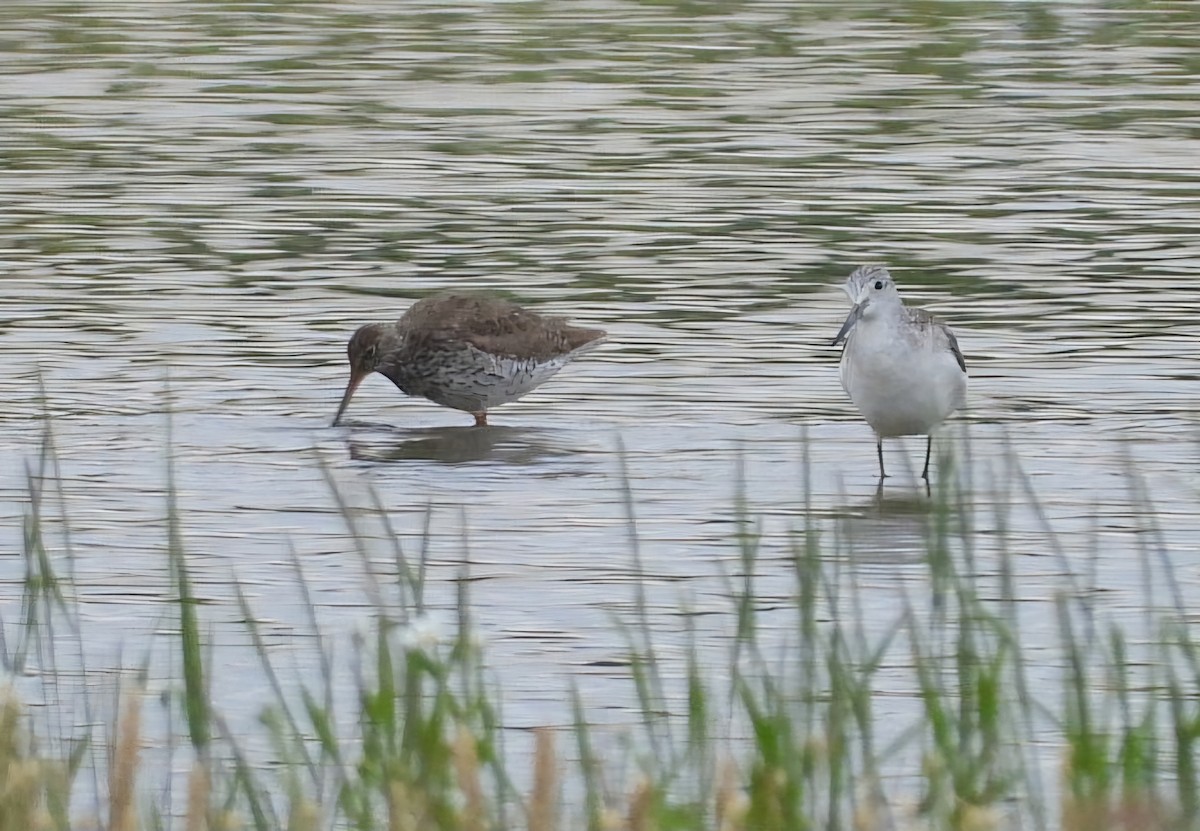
(218, 194)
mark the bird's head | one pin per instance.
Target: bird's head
(870, 288)
(368, 348)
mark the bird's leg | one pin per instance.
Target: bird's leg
(879, 453)
(928, 452)
(480, 418)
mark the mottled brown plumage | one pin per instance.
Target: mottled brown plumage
(466, 351)
(492, 324)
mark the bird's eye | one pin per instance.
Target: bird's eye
(370, 353)
(878, 285)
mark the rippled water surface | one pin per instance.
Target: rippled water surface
(219, 193)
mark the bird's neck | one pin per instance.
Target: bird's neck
(891, 314)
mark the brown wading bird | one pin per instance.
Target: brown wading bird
(469, 352)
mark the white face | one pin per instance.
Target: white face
(876, 290)
(871, 289)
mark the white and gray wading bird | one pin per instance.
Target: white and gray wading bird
(901, 367)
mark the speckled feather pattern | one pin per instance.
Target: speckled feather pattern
(492, 325)
(474, 352)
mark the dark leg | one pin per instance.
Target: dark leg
(879, 453)
(928, 451)
(480, 418)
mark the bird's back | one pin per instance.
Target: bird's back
(928, 330)
(493, 325)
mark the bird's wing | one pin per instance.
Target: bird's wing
(525, 335)
(495, 326)
(958, 355)
(926, 319)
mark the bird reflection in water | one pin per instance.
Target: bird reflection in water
(458, 445)
(895, 528)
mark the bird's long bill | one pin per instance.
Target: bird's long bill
(851, 319)
(356, 378)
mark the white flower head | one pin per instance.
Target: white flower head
(424, 633)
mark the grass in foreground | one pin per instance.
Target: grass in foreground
(420, 745)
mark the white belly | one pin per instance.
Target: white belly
(900, 387)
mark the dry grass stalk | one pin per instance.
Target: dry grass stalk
(404, 813)
(228, 820)
(731, 804)
(303, 815)
(611, 819)
(978, 818)
(543, 801)
(1132, 812)
(122, 775)
(873, 813)
(641, 802)
(466, 769)
(197, 798)
(20, 776)
(20, 794)
(395, 798)
(11, 735)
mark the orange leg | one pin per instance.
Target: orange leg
(480, 419)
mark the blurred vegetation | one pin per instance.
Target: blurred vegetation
(421, 744)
